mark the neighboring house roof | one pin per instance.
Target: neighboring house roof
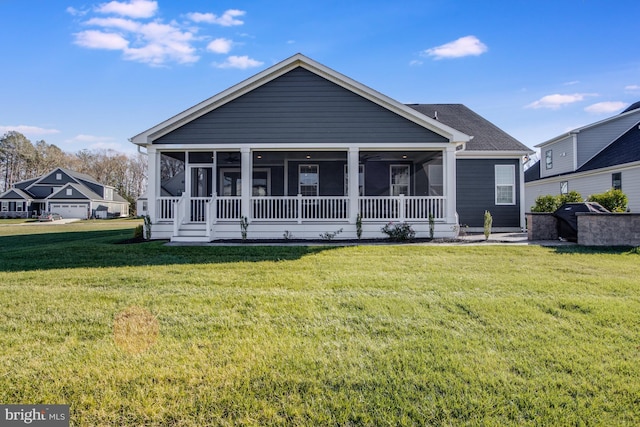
(15, 193)
(486, 135)
(532, 173)
(272, 73)
(24, 184)
(625, 149)
(43, 188)
(632, 109)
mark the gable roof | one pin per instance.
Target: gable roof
(631, 110)
(15, 193)
(625, 149)
(280, 69)
(86, 192)
(486, 135)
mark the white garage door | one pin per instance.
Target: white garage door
(70, 210)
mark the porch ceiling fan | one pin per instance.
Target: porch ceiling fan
(231, 157)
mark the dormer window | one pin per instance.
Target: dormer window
(59, 176)
(69, 192)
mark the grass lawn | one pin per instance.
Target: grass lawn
(146, 334)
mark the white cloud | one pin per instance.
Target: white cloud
(29, 130)
(228, 18)
(415, 63)
(75, 12)
(464, 46)
(556, 101)
(220, 46)
(155, 43)
(632, 88)
(606, 107)
(120, 23)
(93, 39)
(572, 83)
(132, 9)
(241, 62)
(89, 139)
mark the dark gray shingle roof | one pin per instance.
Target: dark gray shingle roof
(486, 135)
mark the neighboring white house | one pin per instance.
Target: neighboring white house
(65, 192)
(590, 160)
(301, 150)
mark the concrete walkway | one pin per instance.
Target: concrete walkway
(509, 238)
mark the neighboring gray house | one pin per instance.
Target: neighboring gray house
(591, 159)
(65, 192)
(301, 150)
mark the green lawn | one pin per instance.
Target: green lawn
(147, 334)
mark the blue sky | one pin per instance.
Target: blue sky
(89, 75)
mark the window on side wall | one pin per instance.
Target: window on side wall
(616, 181)
(505, 180)
(308, 180)
(548, 159)
(564, 187)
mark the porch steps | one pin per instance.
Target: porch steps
(191, 233)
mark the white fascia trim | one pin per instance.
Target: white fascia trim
(492, 154)
(297, 147)
(281, 68)
(575, 175)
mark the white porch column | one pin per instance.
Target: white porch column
(523, 221)
(247, 178)
(353, 169)
(449, 163)
(153, 182)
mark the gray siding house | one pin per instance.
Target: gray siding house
(591, 159)
(65, 192)
(301, 150)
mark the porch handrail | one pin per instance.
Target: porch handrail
(179, 213)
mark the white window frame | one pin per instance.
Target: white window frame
(511, 184)
(564, 187)
(317, 184)
(393, 186)
(613, 181)
(548, 159)
(59, 177)
(69, 192)
(4, 206)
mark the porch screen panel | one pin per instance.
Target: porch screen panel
(308, 180)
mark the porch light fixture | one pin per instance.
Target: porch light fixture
(258, 156)
(404, 156)
(308, 156)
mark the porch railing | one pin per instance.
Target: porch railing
(164, 208)
(301, 208)
(402, 208)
